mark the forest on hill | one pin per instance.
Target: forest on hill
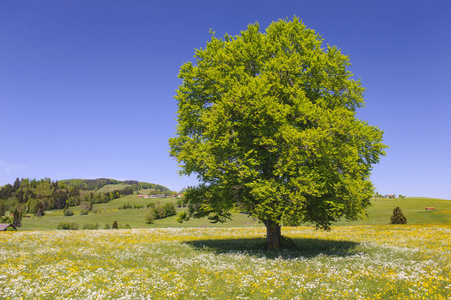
(35, 196)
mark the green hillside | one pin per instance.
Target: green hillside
(107, 213)
(30, 195)
(413, 209)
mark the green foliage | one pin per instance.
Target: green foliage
(182, 216)
(67, 226)
(169, 209)
(6, 219)
(159, 212)
(85, 207)
(181, 202)
(150, 217)
(68, 213)
(109, 185)
(129, 206)
(10, 228)
(267, 123)
(65, 193)
(398, 217)
(377, 195)
(127, 226)
(96, 210)
(39, 209)
(115, 225)
(125, 206)
(17, 218)
(91, 226)
(107, 226)
(2, 209)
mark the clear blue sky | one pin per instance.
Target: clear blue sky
(86, 87)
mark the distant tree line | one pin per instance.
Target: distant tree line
(96, 184)
(377, 195)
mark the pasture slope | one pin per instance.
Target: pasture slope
(107, 213)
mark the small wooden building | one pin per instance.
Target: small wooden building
(4, 226)
(430, 208)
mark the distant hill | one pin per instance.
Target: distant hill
(35, 196)
(96, 184)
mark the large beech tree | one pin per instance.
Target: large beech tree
(266, 121)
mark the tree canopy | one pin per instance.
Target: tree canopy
(267, 122)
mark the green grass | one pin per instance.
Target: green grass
(110, 212)
(379, 214)
(413, 209)
(350, 262)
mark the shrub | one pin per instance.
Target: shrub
(67, 226)
(85, 207)
(125, 206)
(150, 217)
(68, 213)
(182, 216)
(39, 209)
(107, 226)
(398, 217)
(127, 226)
(63, 226)
(169, 209)
(151, 204)
(115, 225)
(91, 226)
(159, 212)
(10, 228)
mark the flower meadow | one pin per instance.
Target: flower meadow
(349, 262)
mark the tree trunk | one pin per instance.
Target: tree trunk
(272, 235)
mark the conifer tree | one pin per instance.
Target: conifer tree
(17, 183)
(2, 209)
(39, 209)
(17, 218)
(398, 217)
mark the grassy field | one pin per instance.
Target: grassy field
(110, 212)
(227, 261)
(349, 262)
(413, 209)
(379, 214)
